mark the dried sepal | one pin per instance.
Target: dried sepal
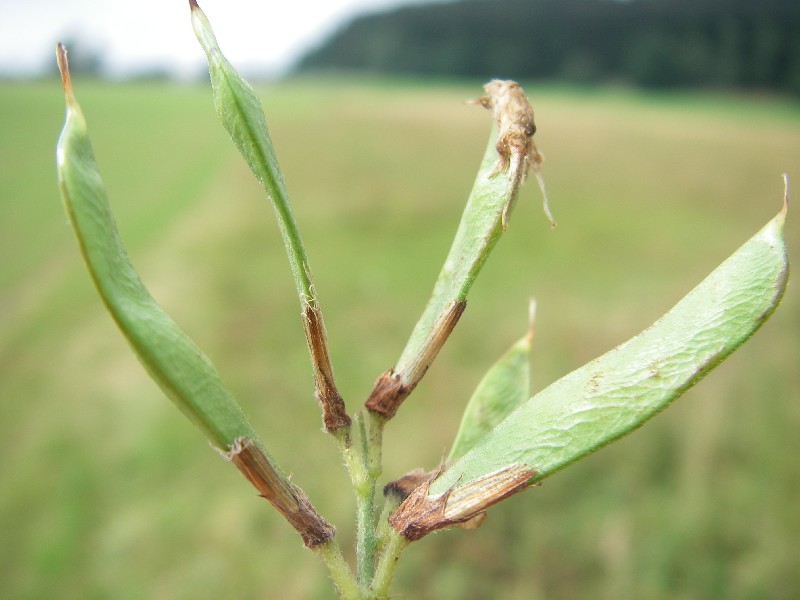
(387, 393)
(392, 387)
(514, 117)
(334, 413)
(442, 328)
(401, 488)
(420, 514)
(286, 497)
(517, 152)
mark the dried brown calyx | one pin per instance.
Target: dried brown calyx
(392, 387)
(516, 149)
(514, 117)
(403, 487)
(334, 413)
(420, 514)
(289, 499)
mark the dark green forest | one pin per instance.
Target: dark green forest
(752, 44)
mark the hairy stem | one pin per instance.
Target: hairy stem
(364, 480)
(365, 541)
(341, 574)
(374, 426)
(384, 572)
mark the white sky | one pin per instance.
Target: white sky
(263, 35)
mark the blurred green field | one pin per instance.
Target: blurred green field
(107, 492)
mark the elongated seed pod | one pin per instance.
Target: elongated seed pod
(240, 112)
(184, 373)
(619, 391)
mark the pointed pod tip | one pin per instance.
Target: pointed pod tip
(531, 319)
(779, 221)
(785, 208)
(202, 29)
(774, 230)
(63, 68)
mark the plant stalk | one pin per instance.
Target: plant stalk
(365, 532)
(340, 572)
(374, 426)
(364, 474)
(387, 563)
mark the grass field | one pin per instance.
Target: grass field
(107, 492)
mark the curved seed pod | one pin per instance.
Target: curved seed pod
(503, 168)
(241, 114)
(170, 357)
(184, 374)
(615, 393)
(506, 385)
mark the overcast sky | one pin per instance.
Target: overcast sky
(263, 35)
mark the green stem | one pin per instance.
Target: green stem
(387, 563)
(364, 487)
(374, 440)
(383, 529)
(365, 532)
(340, 572)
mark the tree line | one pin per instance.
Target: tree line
(651, 43)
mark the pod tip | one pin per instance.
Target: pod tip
(785, 208)
(531, 319)
(193, 4)
(63, 67)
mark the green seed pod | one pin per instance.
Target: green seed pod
(619, 391)
(184, 373)
(508, 155)
(506, 385)
(240, 112)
